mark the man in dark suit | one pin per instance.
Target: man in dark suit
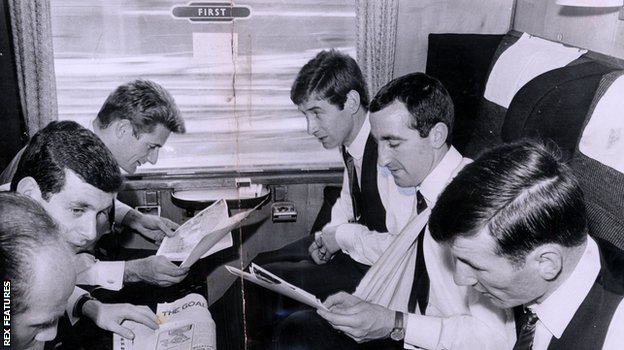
(516, 225)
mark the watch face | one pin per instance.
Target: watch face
(397, 334)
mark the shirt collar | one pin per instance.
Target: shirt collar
(356, 148)
(558, 309)
(436, 181)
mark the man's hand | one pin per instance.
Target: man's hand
(155, 269)
(324, 246)
(358, 319)
(150, 226)
(110, 316)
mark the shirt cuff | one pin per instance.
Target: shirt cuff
(71, 303)
(106, 274)
(121, 210)
(346, 236)
(422, 331)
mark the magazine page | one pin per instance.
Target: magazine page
(209, 221)
(185, 324)
(268, 280)
(206, 245)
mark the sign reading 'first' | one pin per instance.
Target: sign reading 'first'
(210, 12)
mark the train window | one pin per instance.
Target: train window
(230, 79)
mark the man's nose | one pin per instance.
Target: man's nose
(463, 275)
(89, 228)
(47, 334)
(383, 155)
(312, 126)
(152, 156)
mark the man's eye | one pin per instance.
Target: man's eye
(77, 211)
(394, 144)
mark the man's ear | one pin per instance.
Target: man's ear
(549, 260)
(352, 104)
(122, 128)
(438, 135)
(28, 186)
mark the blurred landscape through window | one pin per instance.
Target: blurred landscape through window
(231, 80)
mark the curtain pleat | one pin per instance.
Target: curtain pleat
(31, 25)
(375, 40)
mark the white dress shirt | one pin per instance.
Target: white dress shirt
(457, 317)
(356, 240)
(555, 313)
(106, 274)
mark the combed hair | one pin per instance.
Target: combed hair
(67, 145)
(424, 97)
(329, 76)
(145, 104)
(25, 231)
(521, 193)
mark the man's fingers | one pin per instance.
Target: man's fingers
(335, 299)
(312, 248)
(121, 330)
(315, 257)
(155, 235)
(143, 315)
(171, 226)
(170, 269)
(166, 280)
(337, 320)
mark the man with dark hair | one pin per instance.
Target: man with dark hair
(408, 295)
(73, 176)
(36, 270)
(516, 225)
(330, 91)
(134, 122)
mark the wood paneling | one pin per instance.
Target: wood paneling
(596, 29)
(418, 18)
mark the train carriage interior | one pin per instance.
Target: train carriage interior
(514, 69)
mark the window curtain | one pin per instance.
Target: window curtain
(375, 40)
(31, 24)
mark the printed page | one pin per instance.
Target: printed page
(185, 324)
(207, 222)
(268, 280)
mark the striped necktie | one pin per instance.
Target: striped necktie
(528, 319)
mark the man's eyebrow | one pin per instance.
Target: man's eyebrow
(50, 321)
(313, 108)
(392, 138)
(469, 263)
(80, 203)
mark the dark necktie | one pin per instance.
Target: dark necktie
(525, 338)
(354, 187)
(420, 286)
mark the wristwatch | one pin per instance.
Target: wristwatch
(398, 332)
(77, 311)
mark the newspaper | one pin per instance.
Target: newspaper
(206, 233)
(185, 324)
(268, 280)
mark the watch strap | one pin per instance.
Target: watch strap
(77, 311)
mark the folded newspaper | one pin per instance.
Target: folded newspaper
(206, 233)
(268, 280)
(185, 324)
